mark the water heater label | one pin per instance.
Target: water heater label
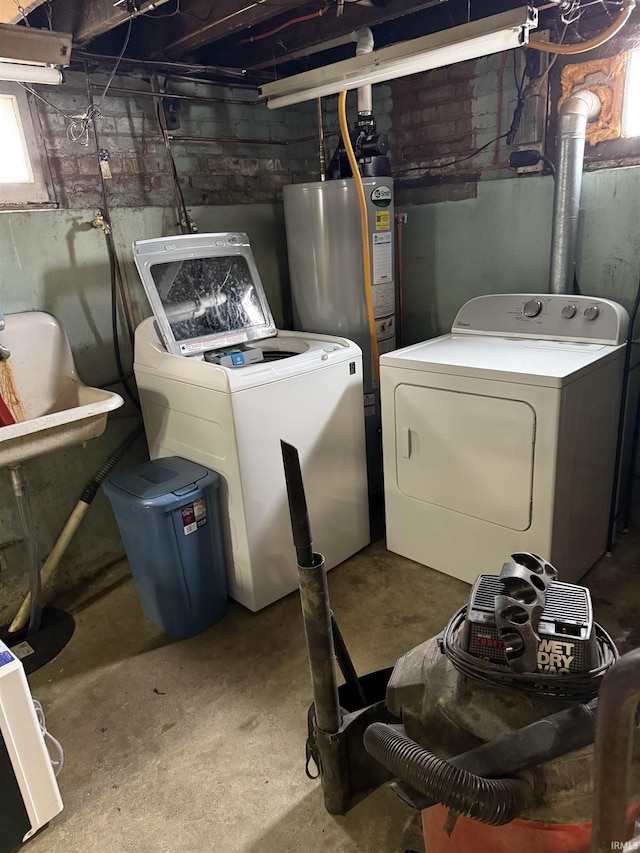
(383, 299)
(382, 258)
(383, 220)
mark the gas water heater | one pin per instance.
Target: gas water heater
(327, 280)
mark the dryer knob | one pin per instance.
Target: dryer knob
(532, 308)
(569, 311)
(591, 312)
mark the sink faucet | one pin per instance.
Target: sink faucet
(4, 352)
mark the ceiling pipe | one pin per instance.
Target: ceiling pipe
(575, 113)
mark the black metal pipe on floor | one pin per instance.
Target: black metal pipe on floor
(316, 614)
(314, 598)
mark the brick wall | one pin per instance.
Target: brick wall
(213, 166)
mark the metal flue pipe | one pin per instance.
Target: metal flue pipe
(576, 112)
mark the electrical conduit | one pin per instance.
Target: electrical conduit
(364, 231)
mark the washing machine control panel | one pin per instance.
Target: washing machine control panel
(562, 317)
(532, 308)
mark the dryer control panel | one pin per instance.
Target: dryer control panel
(550, 316)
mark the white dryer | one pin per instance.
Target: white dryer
(501, 436)
(221, 386)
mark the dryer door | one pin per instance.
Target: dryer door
(469, 453)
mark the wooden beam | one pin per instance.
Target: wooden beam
(87, 21)
(268, 52)
(216, 20)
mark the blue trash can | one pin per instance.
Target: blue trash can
(168, 513)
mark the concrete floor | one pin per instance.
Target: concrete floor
(198, 746)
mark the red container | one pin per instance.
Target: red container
(519, 835)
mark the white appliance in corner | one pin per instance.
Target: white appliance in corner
(29, 795)
(306, 389)
(501, 436)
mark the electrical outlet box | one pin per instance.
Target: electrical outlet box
(533, 125)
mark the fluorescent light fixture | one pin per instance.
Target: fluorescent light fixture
(23, 73)
(29, 55)
(469, 41)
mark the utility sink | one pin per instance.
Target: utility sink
(52, 407)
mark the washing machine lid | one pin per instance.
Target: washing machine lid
(526, 361)
(205, 291)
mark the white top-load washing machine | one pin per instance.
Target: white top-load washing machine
(501, 436)
(221, 386)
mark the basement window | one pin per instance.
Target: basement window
(631, 108)
(24, 172)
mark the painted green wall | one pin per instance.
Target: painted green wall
(55, 261)
(500, 241)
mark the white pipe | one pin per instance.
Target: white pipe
(364, 45)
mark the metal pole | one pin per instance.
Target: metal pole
(316, 614)
(617, 705)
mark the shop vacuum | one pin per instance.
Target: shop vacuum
(487, 728)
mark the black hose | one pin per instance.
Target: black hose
(492, 801)
(114, 323)
(91, 489)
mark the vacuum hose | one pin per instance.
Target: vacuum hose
(492, 801)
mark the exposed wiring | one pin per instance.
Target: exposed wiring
(176, 11)
(496, 146)
(186, 223)
(57, 762)
(78, 130)
(116, 277)
(451, 162)
(583, 47)
(317, 14)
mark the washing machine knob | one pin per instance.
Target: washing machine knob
(569, 311)
(532, 308)
(591, 312)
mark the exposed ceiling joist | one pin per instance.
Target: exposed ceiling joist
(205, 22)
(305, 38)
(86, 21)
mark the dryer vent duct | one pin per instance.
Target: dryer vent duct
(575, 114)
